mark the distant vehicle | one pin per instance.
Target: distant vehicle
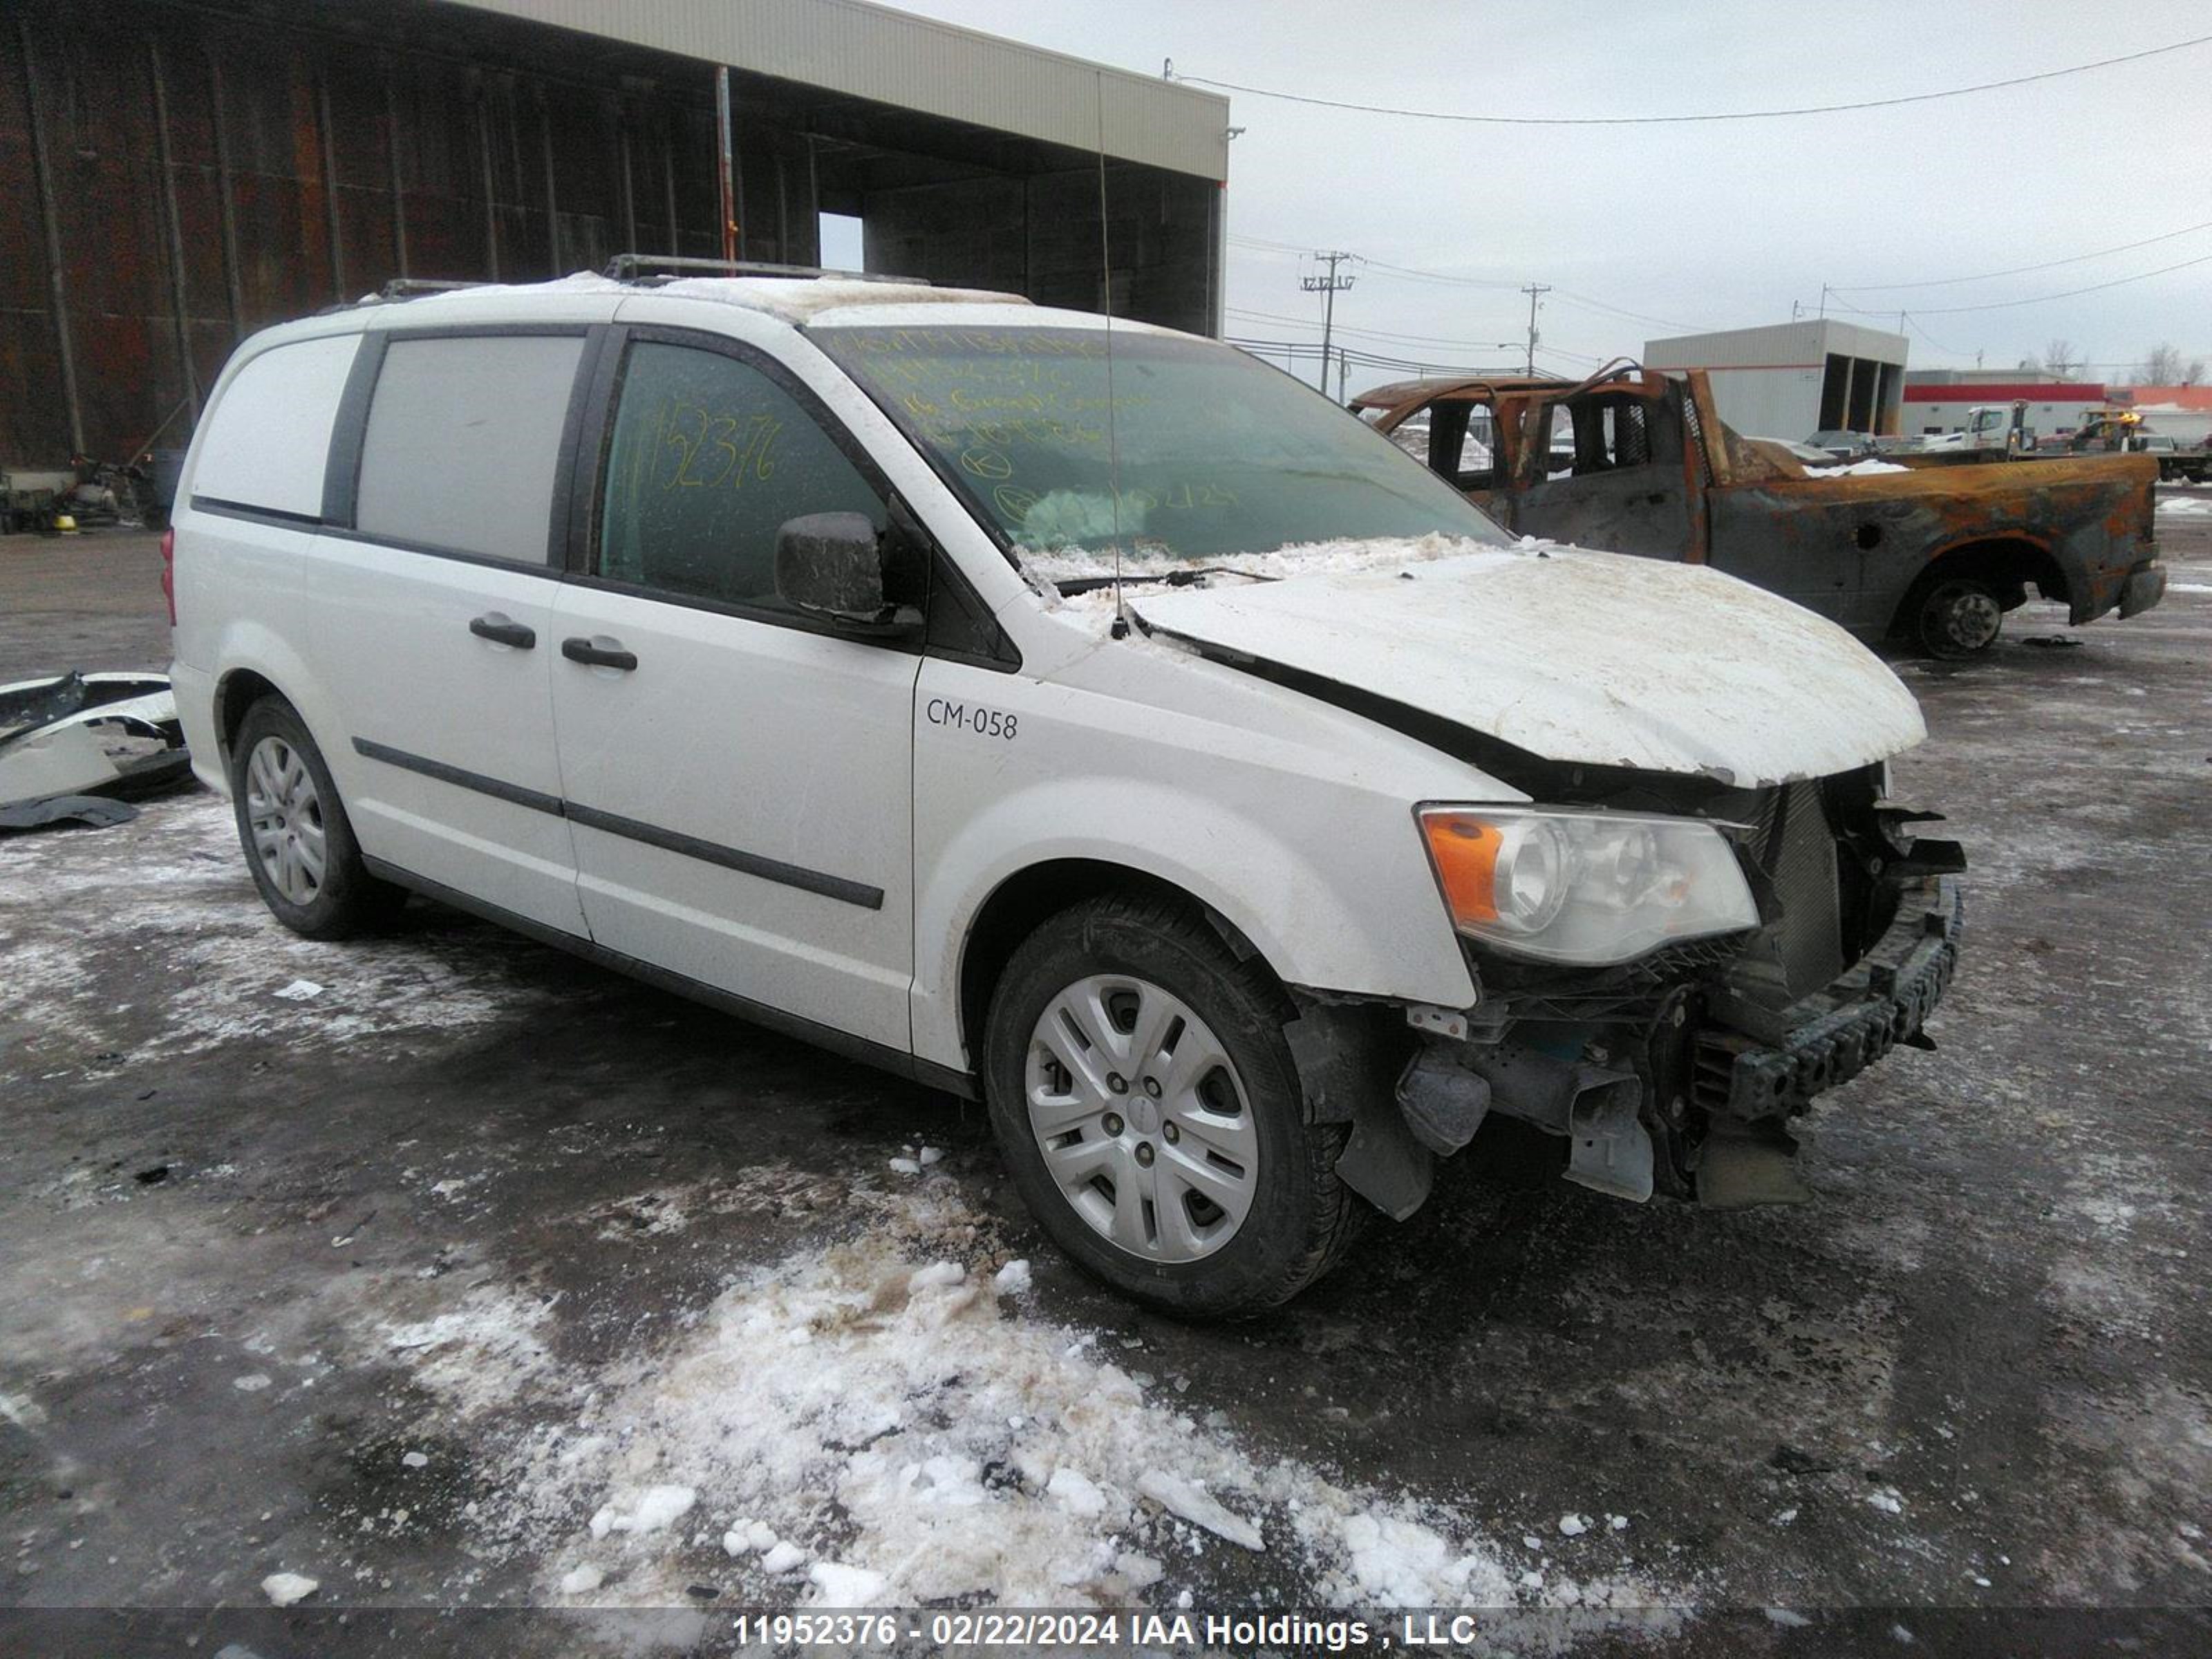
(1992, 429)
(1814, 454)
(2107, 431)
(1843, 446)
(1935, 548)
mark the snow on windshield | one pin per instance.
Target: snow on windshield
(1055, 572)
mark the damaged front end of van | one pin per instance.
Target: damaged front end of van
(1690, 909)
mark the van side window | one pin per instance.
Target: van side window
(267, 438)
(710, 457)
(463, 443)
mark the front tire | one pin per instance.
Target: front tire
(1959, 619)
(299, 843)
(1145, 1099)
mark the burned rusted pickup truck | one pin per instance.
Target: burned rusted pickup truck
(1637, 462)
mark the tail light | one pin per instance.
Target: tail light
(169, 571)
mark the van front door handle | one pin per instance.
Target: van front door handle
(590, 652)
(502, 630)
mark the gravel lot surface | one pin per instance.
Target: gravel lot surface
(443, 1270)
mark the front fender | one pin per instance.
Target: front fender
(1344, 902)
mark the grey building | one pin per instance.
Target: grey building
(187, 170)
(1791, 380)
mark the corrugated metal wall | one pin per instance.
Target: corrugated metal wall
(204, 177)
(193, 174)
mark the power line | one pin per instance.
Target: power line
(2020, 271)
(2093, 288)
(1573, 298)
(1675, 120)
(1372, 333)
(1411, 275)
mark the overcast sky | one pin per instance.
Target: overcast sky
(1706, 226)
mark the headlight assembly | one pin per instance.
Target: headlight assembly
(1584, 887)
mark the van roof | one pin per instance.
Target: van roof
(795, 299)
(835, 300)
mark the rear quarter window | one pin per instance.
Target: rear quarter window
(268, 438)
(463, 442)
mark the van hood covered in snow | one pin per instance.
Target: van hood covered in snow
(1594, 657)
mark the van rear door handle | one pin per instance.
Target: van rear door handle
(609, 655)
(504, 630)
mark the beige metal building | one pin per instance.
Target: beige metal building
(1792, 379)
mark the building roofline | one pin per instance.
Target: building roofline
(862, 50)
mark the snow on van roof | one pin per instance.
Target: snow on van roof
(792, 300)
(803, 299)
(836, 301)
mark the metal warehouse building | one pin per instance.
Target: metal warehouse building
(1793, 380)
(183, 172)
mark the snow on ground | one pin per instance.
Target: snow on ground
(882, 1419)
(2184, 506)
(173, 887)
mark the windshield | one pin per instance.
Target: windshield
(1218, 455)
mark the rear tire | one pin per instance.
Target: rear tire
(1958, 619)
(1146, 1103)
(298, 844)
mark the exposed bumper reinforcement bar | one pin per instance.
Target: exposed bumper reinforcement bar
(1879, 1001)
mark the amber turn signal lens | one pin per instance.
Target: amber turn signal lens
(1465, 852)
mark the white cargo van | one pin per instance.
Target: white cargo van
(1088, 719)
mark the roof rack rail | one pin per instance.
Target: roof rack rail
(398, 287)
(666, 267)
(406, 287)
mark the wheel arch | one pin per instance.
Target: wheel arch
(2010, 563)
(1029, 897)
(234, 693)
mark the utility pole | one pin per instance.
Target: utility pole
(1330, 285)
(1532, 291)
(725, 157)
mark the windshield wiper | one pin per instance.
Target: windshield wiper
(1169, 578)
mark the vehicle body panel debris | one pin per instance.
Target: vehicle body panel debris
(68, 740)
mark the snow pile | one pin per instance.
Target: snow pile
(879, 1421)
(479, 1354)
(1856, 470)
(2184, 505)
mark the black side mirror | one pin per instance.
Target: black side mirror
(832, 565)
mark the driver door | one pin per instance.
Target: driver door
(738, 776)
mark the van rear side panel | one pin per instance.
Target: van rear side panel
(249, 500)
